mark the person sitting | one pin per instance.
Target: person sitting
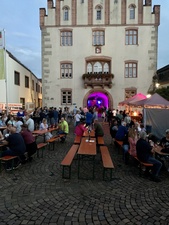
(132, 138)
(98, 129)
(122, 135)
(113, 129)
(16, 147)
(29, 139)
(164, 143)
(144, 154)
(44, 126)
(11, 119)
(80, 128)
(63, 128)
(1, 136)
(3, 121)
(7, 131)
(122, 131)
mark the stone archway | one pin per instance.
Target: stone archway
(98, 92)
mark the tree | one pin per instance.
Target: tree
(164, 92)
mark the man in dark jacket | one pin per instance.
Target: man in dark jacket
(144, 154)
(16, 147)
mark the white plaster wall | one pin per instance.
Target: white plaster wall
(145, 53)
(82, 13)
(15, 92)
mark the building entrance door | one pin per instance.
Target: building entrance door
(98, 100)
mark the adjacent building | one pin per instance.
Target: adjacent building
(99, 52)
(18, 84)
(163, 76)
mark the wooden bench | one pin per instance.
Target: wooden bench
(68, 159)
(100, 141)
(6, 159)
(119, 145)
(41, 146)
(77, 139)
(141, 164)
(53, 140)
(107, 161)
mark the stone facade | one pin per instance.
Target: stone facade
(82, 39)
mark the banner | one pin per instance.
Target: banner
(1, 39)
(2, 71)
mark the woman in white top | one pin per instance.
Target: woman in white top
(44, 126)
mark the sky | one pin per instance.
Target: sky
(20, 20)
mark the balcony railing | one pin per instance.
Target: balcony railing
(98, 79)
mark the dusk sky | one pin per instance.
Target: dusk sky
(20, 20)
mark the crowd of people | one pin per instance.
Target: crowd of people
(136, 142)
(17, 133)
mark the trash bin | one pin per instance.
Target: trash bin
(148, 129)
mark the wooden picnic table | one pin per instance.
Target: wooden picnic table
(87, 149)
(157, 149)
(86, 134)
(43, 132)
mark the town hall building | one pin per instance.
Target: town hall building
(97, 52)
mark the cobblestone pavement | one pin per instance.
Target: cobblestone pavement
(37, 194)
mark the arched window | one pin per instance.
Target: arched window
(106, 68)
(97, 67)
(89, 68)
(100, 67)
(98, 12)
(132, 11)
(65, 13)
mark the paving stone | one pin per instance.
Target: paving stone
(36, 194)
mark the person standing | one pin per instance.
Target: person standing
(30, 122)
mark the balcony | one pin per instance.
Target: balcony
(98, 79)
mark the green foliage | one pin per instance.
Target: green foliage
(164, 92)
